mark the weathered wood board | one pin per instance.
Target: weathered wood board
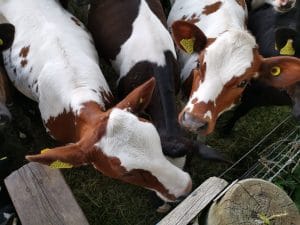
(195, 202)
(42, 197)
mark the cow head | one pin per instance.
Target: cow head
(122, 146)
(222, 69)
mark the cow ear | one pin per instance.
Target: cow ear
(188, 37)
(280, 71)
(7, 34)
(61, 157)
(139, 98)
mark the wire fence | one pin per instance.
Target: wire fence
(276, 159)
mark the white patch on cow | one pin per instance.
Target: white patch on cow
(149, 41)
(208, 115)
(137, 145)
(64, 62)
(228, 57)
(230, 15)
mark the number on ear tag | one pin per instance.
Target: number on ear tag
(188, 45)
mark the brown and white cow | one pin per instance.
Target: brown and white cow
(218, 58)
(137, 43)
(7, 32)
(54, 62)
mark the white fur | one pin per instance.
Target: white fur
(143, 150)
(148, 42)
(63, 60)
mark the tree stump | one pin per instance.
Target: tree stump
(254, 202)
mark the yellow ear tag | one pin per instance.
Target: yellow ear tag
(188, 45)
(57, 164)
(276, 48)
(275, 71)
(288, 48)
(1, 41)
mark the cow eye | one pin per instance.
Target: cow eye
(243, 84)
(198, 65)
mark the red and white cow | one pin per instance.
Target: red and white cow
(53, 61)
(218, 58)
(7, 32)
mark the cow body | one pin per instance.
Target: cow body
(53, 61)
(265, 23)
(143, 49)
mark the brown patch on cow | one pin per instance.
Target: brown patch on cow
(209, 9)
(24, 62)
(242, 3)
(24, 51)
(65, 120)
(76, 21)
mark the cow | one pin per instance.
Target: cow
(276, 34)
(54, 62)
(142, 49)
(218, 57)
(7, 31)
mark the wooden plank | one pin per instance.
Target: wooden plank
(41, 196)
(195, 202)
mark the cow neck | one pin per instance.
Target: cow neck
(73, 126)
(166, 88)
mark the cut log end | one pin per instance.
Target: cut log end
(254, 202)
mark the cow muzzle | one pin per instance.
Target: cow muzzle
(193, 123)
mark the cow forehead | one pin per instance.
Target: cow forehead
(131, 140)
(227, 58)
